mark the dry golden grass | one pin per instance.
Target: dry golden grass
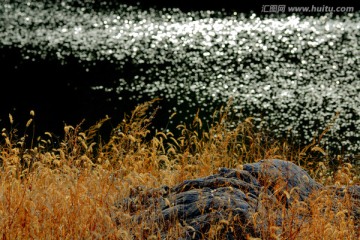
(70, 191)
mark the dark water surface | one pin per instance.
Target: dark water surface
(293, 73)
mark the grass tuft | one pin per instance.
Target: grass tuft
(71, 190)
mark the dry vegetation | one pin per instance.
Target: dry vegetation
(71, 191)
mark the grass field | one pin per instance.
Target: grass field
(70, 191)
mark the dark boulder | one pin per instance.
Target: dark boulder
(286, 176)
(228, 199)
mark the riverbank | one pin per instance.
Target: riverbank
(74, 190)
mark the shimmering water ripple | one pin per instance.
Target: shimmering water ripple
(293, 72)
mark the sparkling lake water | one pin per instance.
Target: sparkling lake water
(291, 73)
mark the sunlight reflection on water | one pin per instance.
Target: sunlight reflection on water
(293, 72)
